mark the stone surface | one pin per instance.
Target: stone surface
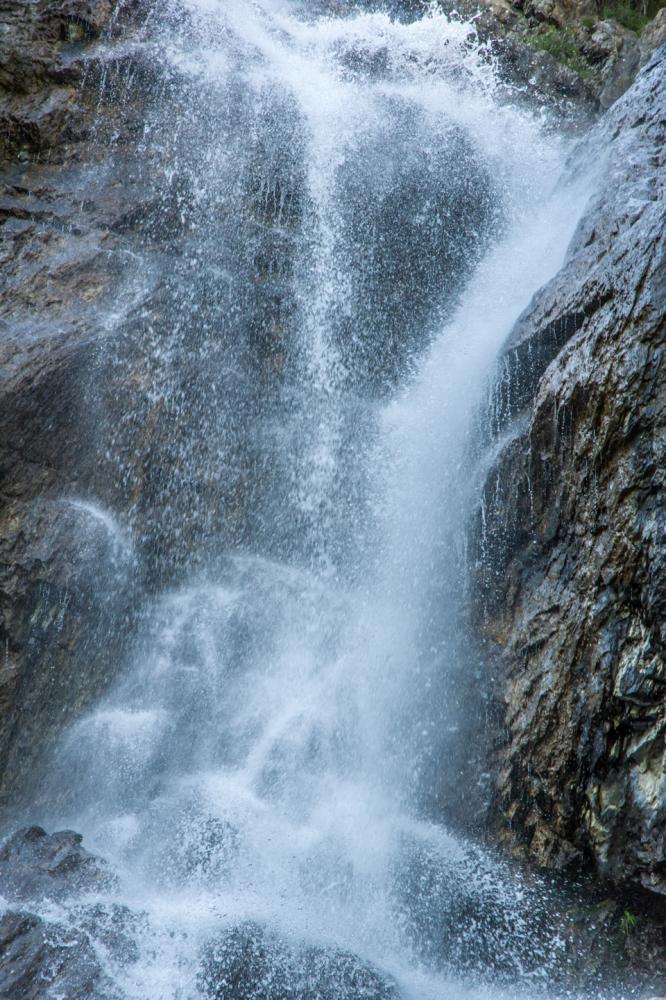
(39, 959)
(622, 61)
(131, 381)
(251, 963)
(568, 54)
(51, 938)
(570, 579)
(61, 260)
(653, 36)
(34, 865)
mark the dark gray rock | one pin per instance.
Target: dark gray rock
(65, 582)
(34, 865)
(623, 59)
(58, 954)
(564, 53)
(570, 578)
(57, 264)
(39, 960)
(252, 963)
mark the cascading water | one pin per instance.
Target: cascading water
(364, 216)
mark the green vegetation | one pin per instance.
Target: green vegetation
(562, 45)
(628, 922)
(627, 15)
(634, 16)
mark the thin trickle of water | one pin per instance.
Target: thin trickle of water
(365, 218)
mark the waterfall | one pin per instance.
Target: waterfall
(363, 213)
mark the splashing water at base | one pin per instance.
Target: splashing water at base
(268, 758)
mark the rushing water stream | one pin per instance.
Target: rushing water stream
(368, 215)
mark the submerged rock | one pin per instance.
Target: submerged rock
(252, 963)
(570, 590)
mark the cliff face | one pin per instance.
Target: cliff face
(69, 235)
(54, 272)
(574, 52)
(571, 577)
(573, 604)
(101, 340)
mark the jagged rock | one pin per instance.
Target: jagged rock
(545, 10)
(39, 959)
(605, 41)
(523, 67)
(622, 63)
(34, 865)
(252, 963)
(653, 36)
(570, 586)
(545, 75)
(599, 57)
(57, 954)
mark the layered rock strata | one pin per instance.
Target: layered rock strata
(571, 570)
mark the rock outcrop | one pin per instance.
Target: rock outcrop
(570, 587)
(51, 937)
(249, 962)
(93, 420)
(571, 572)
(34, 865)
(571, 53)
(139, 392)
(39, 959)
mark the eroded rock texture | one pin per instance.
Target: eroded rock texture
(101, 342)
(60, 261)
(49, 950)
(571, 579)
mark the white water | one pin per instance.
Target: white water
(273, 746)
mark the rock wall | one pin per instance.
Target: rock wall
(83, 215)
(106, 320)
(570, 579)
(58, 265)
(574, 606)
(575, 54)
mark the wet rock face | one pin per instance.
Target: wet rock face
(570, 592)
(133, 379)
(250, 963)
(39, 959)
(58, 954)
(568, 53)
(93, 246)
(34, 865)
(414, 234)
(60, 262)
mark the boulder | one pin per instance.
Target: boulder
(40, 960)
(35, 865)
(51, 935)
(250, 962)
